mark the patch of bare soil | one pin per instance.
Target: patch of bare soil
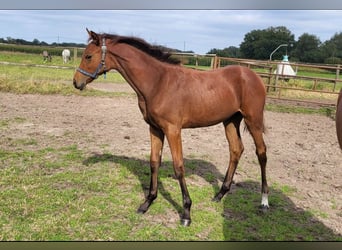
(303, 151)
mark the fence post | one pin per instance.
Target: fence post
(276, 78)
(212, 62)
(269, 78)
(215, 62)
(337, 75)
(315, 84)
(75, 55)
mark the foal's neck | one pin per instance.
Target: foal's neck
(140, 70)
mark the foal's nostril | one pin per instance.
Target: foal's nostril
(80, 87)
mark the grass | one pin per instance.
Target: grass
(45, 88)
(326, 111)
(33, 80)
(65, 194)
(28, 58)
(309, 85)
(30, 73)
(52, 75)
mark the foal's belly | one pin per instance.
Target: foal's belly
(208, 116)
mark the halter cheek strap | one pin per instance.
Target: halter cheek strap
(101, 64)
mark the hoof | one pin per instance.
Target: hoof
(141, 210)
(144, 207)
(264, 209)
(185, 222)
(217, 198)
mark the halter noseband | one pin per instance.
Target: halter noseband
(101, 64)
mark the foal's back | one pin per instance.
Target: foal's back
(205, 98)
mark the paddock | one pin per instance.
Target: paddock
(304, 157)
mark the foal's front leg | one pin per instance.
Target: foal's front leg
(157, 141)
(175, 142)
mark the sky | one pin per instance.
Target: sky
(196, 30)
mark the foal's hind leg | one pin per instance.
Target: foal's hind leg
(157, 141)
(232, 129)
(256, 128)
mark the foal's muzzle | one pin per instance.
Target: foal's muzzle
(79, 86)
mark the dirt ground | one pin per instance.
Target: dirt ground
(303, 151)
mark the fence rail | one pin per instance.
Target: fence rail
(321, 87)
(324, 81)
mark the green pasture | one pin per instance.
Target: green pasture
(64, 193)
(43, 80)
(37, 58)
(36, 80)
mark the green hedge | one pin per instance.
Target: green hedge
(53, 51)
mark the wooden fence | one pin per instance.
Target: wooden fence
(312, 84)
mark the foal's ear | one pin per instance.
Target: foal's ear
(94, 37)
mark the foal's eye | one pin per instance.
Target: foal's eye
(88, 57)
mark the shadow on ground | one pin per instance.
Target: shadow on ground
(243, 220)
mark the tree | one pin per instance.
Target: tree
(332, 49)
(35, 41)
(231, 51)
(307, 49)
(259, 44)
(9, 39)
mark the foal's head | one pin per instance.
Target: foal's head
(96, 60)
(93, 61)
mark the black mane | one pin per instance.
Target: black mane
(157, 52)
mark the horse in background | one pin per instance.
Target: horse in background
(339, 119)
(46, 56)
(66, 55)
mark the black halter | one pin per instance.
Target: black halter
(101, 64)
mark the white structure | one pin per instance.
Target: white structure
(284, 68)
